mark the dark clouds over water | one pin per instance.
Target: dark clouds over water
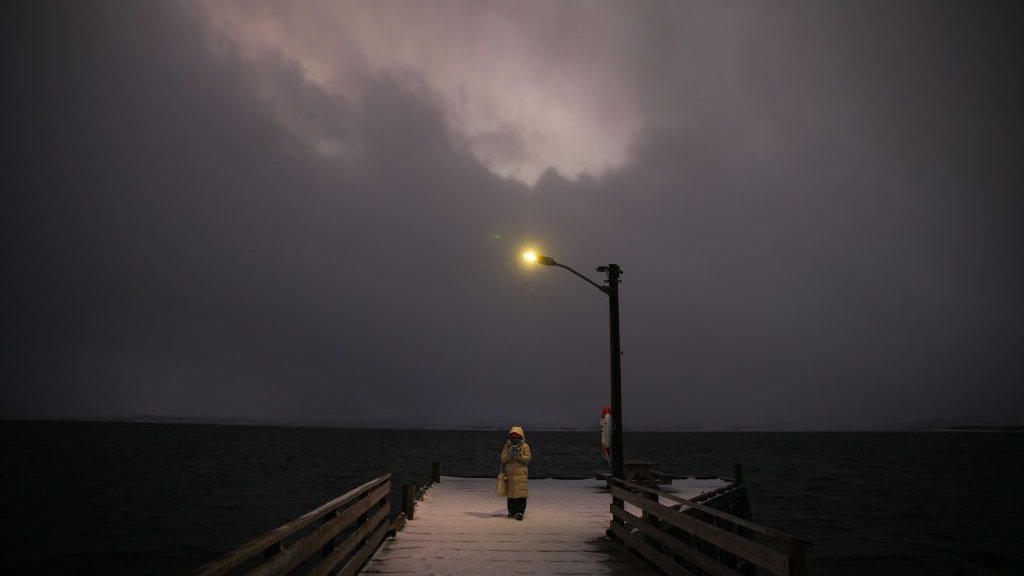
(817, 213)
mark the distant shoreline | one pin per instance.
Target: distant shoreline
(211, 421)
(976, 428)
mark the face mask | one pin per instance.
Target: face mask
(516, 441)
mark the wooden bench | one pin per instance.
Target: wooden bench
(639, 472)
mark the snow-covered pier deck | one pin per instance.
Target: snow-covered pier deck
(461, 527)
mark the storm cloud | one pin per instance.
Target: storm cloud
(312, 212)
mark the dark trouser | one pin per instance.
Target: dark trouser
(517, 505)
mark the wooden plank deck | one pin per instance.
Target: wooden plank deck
(461, 527)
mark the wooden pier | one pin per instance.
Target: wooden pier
(461, 527)
(695, 526)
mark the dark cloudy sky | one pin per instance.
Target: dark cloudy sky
(312, 212)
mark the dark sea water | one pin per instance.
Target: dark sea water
(116, 498)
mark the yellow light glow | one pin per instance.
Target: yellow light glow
(530, 256)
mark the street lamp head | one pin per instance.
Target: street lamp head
(533, 257)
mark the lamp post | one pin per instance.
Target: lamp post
(611, 288)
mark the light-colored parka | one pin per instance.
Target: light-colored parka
(516, 472)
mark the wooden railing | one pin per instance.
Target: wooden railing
(345, 532)
(411, 494)
(695, 538)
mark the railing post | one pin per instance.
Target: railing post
(327, 548)
(409, 500)
(435, 472)
(797, 557)
(365, 515)
(739, 473)
(651, 518)
(385, 501)
(271, 550)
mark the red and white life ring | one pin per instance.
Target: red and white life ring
(606, 434)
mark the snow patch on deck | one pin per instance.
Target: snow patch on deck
(461, 527)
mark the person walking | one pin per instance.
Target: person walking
(515, 457)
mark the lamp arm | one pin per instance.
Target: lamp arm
(588, 280)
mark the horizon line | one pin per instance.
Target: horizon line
(216, 421)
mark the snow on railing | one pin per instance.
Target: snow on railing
(695, 537)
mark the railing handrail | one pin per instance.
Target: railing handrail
(715, 512)
(675, 541)
(277, 535)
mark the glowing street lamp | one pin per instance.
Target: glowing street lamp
(611, 288)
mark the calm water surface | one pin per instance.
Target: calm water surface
(108, 498)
